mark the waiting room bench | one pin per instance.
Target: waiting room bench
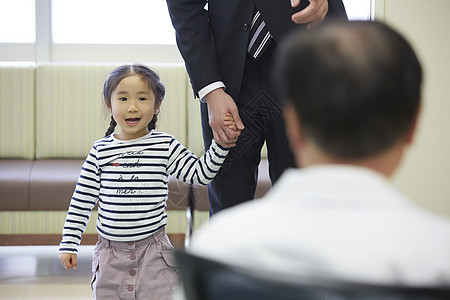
(50, 115)
(42, 186)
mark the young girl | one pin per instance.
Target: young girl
(127, 175)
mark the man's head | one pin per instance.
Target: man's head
(354, 88)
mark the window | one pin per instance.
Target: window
(100, 30)
(358, 9)
(111, 22)
(17, 21)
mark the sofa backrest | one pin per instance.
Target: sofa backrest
(56, 110)
(71, 115)
(17, 110)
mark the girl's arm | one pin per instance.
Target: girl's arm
(83, 201)
(185, 166)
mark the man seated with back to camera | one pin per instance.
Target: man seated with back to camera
(352, 99)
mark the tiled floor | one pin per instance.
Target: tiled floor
(34, 272)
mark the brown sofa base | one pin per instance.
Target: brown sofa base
(27, 185)
(48, 184)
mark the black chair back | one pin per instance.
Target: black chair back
(204, 279)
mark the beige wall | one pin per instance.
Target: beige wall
(425, 173)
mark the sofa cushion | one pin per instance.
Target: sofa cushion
(52, 183)
(200, 193)
(179, 193)
(14, 184)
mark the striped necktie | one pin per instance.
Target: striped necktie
(260, 37)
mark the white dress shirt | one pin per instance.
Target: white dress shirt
(332, 221)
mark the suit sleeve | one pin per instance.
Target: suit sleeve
(195, 41)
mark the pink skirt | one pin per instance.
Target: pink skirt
(143, 269)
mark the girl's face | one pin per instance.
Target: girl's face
(133, 106)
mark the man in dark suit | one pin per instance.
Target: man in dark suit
(230, 71)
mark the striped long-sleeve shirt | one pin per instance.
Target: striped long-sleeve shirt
(129, 180)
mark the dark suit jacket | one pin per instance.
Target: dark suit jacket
(214, 42)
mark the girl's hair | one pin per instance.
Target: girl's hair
(146, 74)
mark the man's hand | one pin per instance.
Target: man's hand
(68, 260)
(313, 14)
(219, 104)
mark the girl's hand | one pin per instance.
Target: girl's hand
(229, 121)
(68, 260)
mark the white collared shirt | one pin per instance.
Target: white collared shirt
(332, 221)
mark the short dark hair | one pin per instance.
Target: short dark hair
(356, 86)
